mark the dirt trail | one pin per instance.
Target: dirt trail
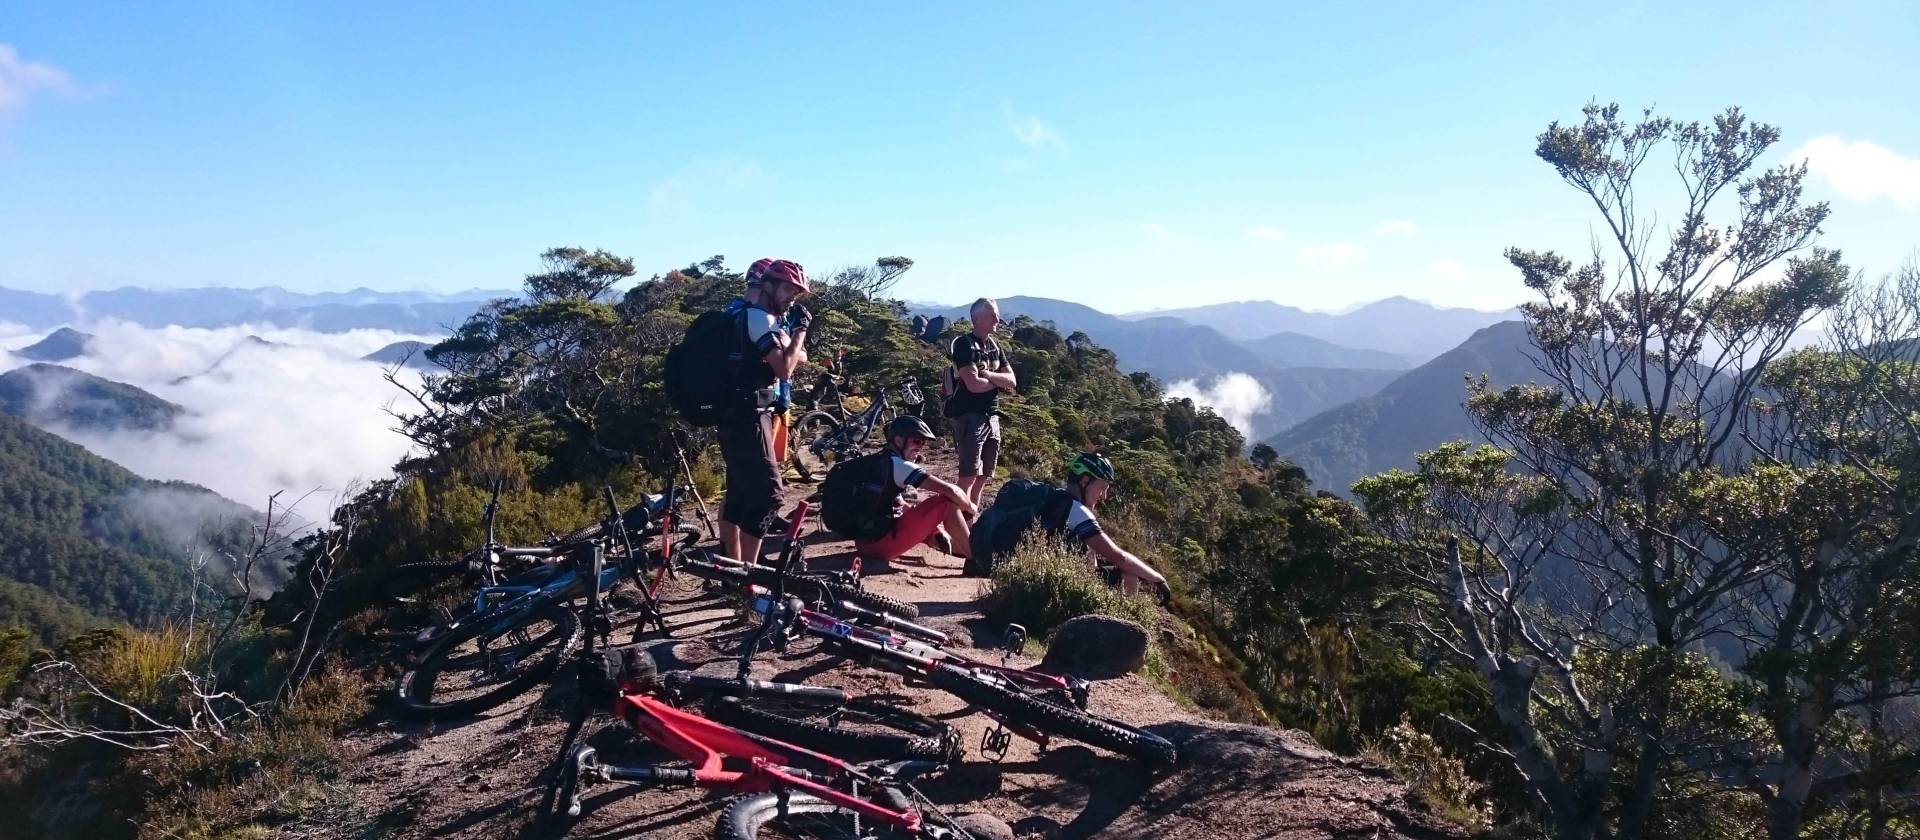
(487, 777)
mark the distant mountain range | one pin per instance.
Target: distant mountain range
(418, 312)
(1396, 325)
(45, 394)
(1415, 412)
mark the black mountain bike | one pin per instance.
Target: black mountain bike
(822, 439)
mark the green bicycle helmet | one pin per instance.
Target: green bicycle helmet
(1091, 465)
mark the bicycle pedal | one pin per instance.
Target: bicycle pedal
(995, 742)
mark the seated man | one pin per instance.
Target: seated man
(861, 499)
(1066, 513)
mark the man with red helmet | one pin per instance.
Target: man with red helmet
(752, 427)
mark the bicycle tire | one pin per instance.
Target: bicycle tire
(877, 730)
(829, 590)
(1051, 718)
(413, 691)
(746, 816)
(808, 431)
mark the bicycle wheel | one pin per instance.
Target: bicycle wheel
(860, 730)
(812, 453)
(476, 667)
(799, 815)
(1055, 719)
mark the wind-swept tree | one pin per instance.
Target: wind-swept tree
(1587, 578)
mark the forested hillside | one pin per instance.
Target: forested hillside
(44, 394)
(1416, 411)
(83, 540)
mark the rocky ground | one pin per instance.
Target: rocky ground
(488, 777)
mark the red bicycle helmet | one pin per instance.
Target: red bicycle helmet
(784, 271)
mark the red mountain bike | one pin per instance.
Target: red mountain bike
(789, 790)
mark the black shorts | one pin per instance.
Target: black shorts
(753, 476)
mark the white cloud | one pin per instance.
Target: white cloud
(21, 79)
(1236, 397)
(1447, 270)
(1030, 131)
(682, 191)
(308, 415)
(1861, 170)
(15, 336)
(1267, 232)
(1331, 256)
(1396, 227)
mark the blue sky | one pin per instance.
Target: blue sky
(1131, 158)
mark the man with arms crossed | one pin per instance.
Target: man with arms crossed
(981, 371)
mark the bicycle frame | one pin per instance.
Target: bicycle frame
(707, 745)
(918, 651)
(912, 658)
(853, 432)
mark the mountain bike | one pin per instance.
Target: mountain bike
(824, 395)
(791, 572)
(787, 786)
(1023, 702)
(432, 597)
(824, 439)
(518, 632)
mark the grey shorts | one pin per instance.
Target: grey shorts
(977, 436)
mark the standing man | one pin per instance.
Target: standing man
(982, 372)
(775, 337)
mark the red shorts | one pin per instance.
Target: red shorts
(914, 526)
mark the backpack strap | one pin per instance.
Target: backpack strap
(1054, 511)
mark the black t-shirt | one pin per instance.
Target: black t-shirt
(969, 350)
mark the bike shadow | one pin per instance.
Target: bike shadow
(1101, 787)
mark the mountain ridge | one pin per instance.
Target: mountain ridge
(1415, 412)
(1399, 325)
(43, 394)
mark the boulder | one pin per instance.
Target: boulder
(1097, 647)
(984, 826)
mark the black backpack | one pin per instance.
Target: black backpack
(1016, 508)
(703, 369)
(856, 500)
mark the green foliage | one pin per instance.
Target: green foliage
(1046, 582)
(83, 541)
(81, 400)
(15, 649)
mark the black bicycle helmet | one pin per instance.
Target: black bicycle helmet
(907, 425)
(1092, 465)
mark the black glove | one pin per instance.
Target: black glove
(798, 318)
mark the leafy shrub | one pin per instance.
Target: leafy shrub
(1046, 582)
(1440, 779)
